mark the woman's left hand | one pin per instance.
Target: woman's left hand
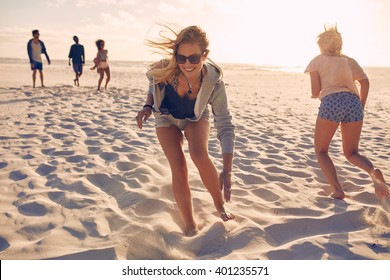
(225, 180)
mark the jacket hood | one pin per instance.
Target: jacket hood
(214, 72)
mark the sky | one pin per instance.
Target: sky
(262, 32)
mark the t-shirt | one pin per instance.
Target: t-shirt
(76, 53)
(337, 73)
(36, 52)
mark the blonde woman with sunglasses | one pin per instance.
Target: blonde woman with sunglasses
(182, 86)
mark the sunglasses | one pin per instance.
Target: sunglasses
(193, 59)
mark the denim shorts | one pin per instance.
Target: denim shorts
(342, 107)
(166, 120)
(37, 65)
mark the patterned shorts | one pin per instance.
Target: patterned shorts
(342, 107)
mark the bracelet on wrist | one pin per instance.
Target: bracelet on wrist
(148, 106)
(226, 172)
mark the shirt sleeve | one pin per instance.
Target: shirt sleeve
(312, 66)
(223, 119)
(357, 71)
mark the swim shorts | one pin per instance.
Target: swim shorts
(78, 67)
(36, 65)
(166, 120)
(342, 107)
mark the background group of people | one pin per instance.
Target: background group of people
(36, 47)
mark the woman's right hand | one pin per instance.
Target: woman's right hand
(143, 115)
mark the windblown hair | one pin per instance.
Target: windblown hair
(164, 70)
(330, 41)
(98, 43)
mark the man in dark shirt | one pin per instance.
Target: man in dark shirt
(77, 55)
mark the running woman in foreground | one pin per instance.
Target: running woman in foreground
(181, 88)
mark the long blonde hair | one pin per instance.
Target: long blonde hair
(164, 70)
(330, 41)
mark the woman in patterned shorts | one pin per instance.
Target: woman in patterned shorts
(333, 77)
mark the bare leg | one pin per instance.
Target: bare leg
(171, 140)
(78, 78)
(101, 72)
(323, 134)
(197, 134)
(41, 77)
(381, 188)
(107, 70)
(351, 136)
(34, 77)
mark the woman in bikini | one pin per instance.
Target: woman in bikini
(101, 63)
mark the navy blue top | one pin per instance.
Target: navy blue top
(76, 53)
(179, 107)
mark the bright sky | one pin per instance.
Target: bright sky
(275, 32)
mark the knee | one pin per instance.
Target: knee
(320, 152)
(350, 154)
(199, 156)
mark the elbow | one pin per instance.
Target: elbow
(364, 83)
(315, 93)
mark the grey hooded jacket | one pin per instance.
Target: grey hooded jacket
(211, 92)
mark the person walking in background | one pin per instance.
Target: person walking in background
(333, 77)
(101, 63)
(181, 88)
(77, 55)
(35, 48)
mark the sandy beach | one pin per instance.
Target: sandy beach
(79, 180)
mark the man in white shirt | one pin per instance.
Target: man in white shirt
(35, 48)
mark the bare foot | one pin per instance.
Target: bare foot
(381, 188)
(338, 193)
(226, 215)
(191, 232)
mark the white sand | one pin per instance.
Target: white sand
(79, 180)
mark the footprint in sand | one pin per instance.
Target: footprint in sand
(125, 165)
(75, 159)
(45, 169)
(109, 157)
(75, 233)
(59, 135)
(32, 209)
(64, 201)
(3, 244)
(17, 175)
